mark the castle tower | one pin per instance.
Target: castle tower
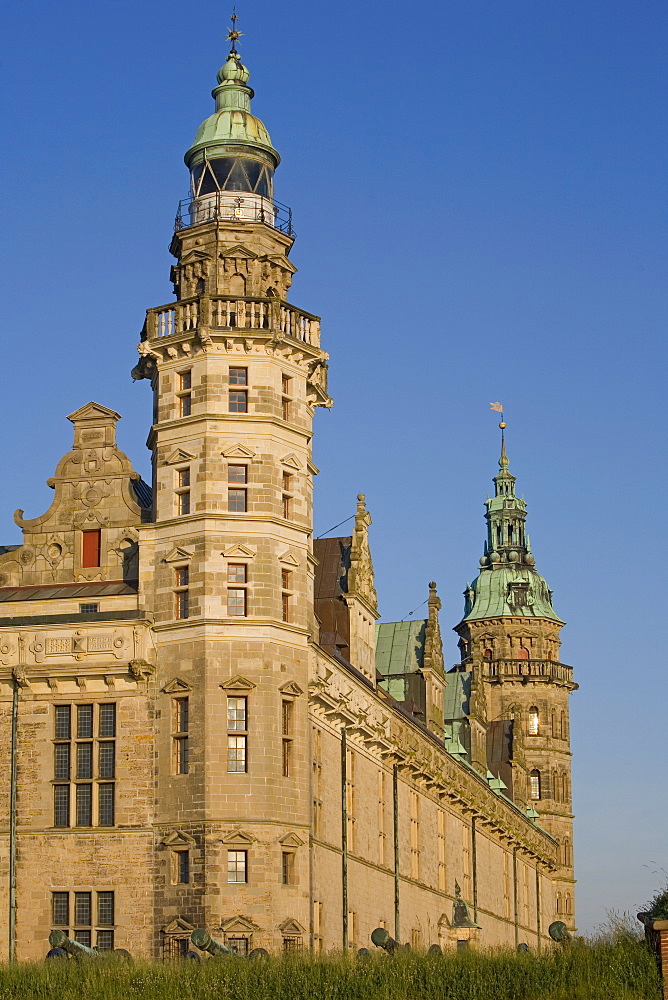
(509, 642)
(227, 565)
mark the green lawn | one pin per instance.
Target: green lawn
(603, 970)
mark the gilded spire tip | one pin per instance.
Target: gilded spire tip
(233, 35)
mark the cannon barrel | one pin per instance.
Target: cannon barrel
(559, 932)
(382, 939)
(59, 939)
(203, 940)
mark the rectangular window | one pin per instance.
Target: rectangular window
(236, 753)
(350, 798)
(84, 795)
(238, 401)
(63, 722)
(91, 544)
(88, 609)
(285, 400)
(184, 503)
(185, 381)
(285, 409)
(292, 944)
(237, 474)
(85, 760)
(181, 729)
(236, 500)
(238, 376)
(183, 492)
(107, 719)
(287, 507)
(288, 868)
(184, 478)
(236, 573)
(184, 394)
(84, 722)
(185, 404)
(285, 607)
(183, 867)
(105, 909)
(60, 908)
(83, 912)
(107, 760)
(236, 602)
(285, 384)
(381, 818)
(286, 584)
(415, 834)
(236, 714)
(182, 594)
(441, 848)
(106, 803)
(237, 869)
(83, 937)
(105, 941)
(287, 708)
(61, 762)
(238, 943)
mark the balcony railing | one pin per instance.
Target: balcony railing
(221, 208)
(225, 313)
(549, 669)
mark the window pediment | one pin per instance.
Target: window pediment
(238, 838)
(177, 838)
(178, 554)
(238, 551)
(178, 926)
(291, 840)
(179, 456)
(238, 451)
(291, 689)
(291, 461)
(238, 683)
(239, 924)
(291, 926)
(177, 686)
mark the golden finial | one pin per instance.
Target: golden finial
(233, 35)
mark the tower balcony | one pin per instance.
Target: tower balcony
(233, 314)
(525, 671)
(238, 207)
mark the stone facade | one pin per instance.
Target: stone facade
(190, 700)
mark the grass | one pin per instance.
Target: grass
(606, 969)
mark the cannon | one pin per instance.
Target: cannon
(60, 940)
(382, 939)
(559, 932)
(203, 940)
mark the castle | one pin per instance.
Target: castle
(204, 724)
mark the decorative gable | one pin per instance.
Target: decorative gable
(239, 925)
(238, 683)
(291, 840)
(291, 926)
(178, 554)
(238, 551)
(238, 250)
(194, 257)
(178, 457)
(291, 689)
(238, 837)
(238, 451)
(177, 838)
(178, 926)
(177, 686)
(93, 411)
(289, 558)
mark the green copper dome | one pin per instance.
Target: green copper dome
(508, 585)
(232, 129)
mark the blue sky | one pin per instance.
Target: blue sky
(480, 202)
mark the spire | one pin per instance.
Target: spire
(508, 583)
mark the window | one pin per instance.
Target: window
(237, 868)
(238, 398)
(184, 394)
(88, 609)
(73, 912)
(237, 734)
(240, 943)
(183, 867)
(286, 498)
(181, 591)
(317, 781)
(237, 573)
(381, 818)
(350, 798)
(292, 944)
(534, 784)
(286, 732)
(91, 544)
(533, 721)
(286, 402)
(286, 585)
(236, 500)
(317, 925)
(415, 834)
(180, 735)
(92, 757)
(288, 868)
(236, 601)
(237, 474)
(183, 491)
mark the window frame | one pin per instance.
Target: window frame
(77, 764)
(181, 735)
(238, 858)
(237, 735)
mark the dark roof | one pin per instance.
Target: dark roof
(143, 492)
(8, 548)
(60, 591)
(333, 555)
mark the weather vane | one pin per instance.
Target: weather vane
(233, 35)
(498, 407)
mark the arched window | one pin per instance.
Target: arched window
(522, 653)
(568, 903)
(568, 853)
(534, 784)
(560, 908)
(562, 726)
(554, 723)
(237, 284)
(487, 653)
(533, 721)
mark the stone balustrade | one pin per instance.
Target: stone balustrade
(233, 313)
(549, 669)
